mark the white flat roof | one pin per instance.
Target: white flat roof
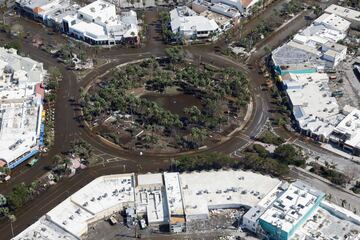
(333, 21)
(43, 229)
(105, 192)
(18, 129)
(347, 13)
(312, 93)
(150, 179)
(70, 217)
(326, 225)
(92, 202)
(151, 198)
(291, 206)
(173, 193)
(99, 9)
(90, 28)
(20, 105)
(223, 189)
(190, 22)
(313, 106)
(350, 126)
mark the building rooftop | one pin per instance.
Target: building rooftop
(98, 10)
(19, 128)
(288, 55)
(350, 127)
(306, 50)
(325, 225)
(173, 193)
(151, 198)
(150, 179)
(292, 206)
(32, 4)
(185, 19)
(347, 13)
(225, 10)
(203, 190)
(43, 229)
(313, 105)
(333, 21)
(93, 202)
(220, 19)
(20, 105)
(64, 9)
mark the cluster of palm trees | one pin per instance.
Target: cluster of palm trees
(215, 88)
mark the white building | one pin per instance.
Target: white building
(315, 110)
(174, 199)
(334, 22)
(151, 199)
(347, 132)
(285, 211)
(314, 48)
(317, 113)
(351, 15)
(96, 23)
(244, 6)
(203, 191)
(163, 198)
(175, 202)
(50, 12)
(97, 200)
(188, 25)
(21, 94)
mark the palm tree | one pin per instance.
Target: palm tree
(3, 200)
(343, 202)
(57, 159)
(3, 9)
(66, 161)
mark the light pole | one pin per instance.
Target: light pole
(12, 219)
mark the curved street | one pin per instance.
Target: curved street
(67, 128)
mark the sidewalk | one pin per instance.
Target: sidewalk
(341, 153)
(324, 180)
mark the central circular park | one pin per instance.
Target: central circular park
(166, 105)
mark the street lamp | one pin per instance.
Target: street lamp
(12, 219)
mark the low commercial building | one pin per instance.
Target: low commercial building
(351, 15)
(177, 219)
(97, 200)
(244, 6)
(203, 191)
(283, 215)
(186, 24)
(286, 215)
(151, 200)
(330, 222)
(96, 23)
(224, 15)
(347, 132)
(21, 94)
(165, 199)
(277, 209)
(314, 108)
(314, 48)
(317, 113)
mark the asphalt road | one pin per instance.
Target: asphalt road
(337, 193)
(67, 128)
